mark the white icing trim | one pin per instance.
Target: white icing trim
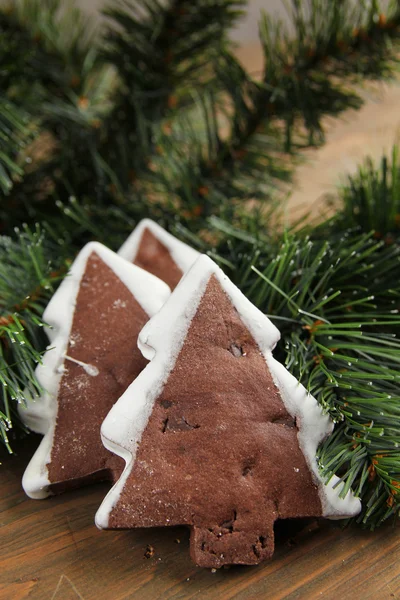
(161, 340)
(40, 414)
(183, 255)
(314, 426)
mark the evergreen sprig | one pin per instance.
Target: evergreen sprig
(307, 75)
(206, 134)
(45, 46)
(14, 135)
(196, 164)
(27, 281)
(371, 200)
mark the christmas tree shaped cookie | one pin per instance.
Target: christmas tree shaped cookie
(95, 318)
(216, 434)
(152, 248)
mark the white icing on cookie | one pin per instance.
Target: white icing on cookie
(40, 414)
(161, 340)
(183, 255)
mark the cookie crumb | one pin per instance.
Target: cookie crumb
(213, 570)
(177, 541)
(149, 551)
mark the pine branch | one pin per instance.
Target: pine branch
(299, 87)
(14, 135)
(57, 79)
(182, 152)
(89, 130)
(159, 49)
(161, 53)
(46, 47)
(27, 281)
(307, 75)
(370, 200)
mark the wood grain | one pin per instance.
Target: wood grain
(52, 550)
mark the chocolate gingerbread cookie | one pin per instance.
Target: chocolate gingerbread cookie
(216, 433)
(95, 318)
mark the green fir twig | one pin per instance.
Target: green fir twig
(371, 200)
(14, 135)
(27, 281)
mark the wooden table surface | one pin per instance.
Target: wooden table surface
(51, 550)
